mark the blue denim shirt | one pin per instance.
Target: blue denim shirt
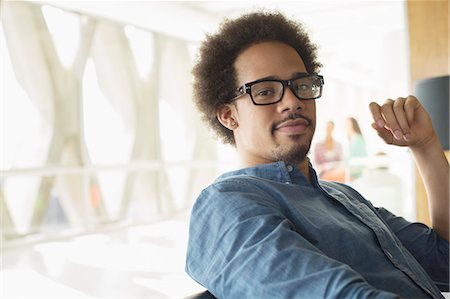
(266, 232)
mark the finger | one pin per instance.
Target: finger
(411, 104)
(400, 115)
(375, 109)
(387, 111)
(384, 134)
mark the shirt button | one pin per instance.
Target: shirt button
(289, 168)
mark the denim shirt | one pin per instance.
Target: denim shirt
(266, 232)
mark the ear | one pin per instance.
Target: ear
(225, 115)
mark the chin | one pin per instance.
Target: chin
(293, 154)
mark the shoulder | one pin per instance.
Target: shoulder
(235, 191)
(238, 197)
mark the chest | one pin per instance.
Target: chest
(346, 232)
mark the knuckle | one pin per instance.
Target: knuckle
(411, 97)
(385, 108)
(398, 105)
(410, 102)
(388, 102)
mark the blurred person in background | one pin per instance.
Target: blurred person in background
(328, 156)
(356, 149)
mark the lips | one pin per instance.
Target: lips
(293, 126)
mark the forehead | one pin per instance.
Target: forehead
(266, 59)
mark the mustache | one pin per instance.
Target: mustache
(291, 117)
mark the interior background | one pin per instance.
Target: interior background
(103, 153)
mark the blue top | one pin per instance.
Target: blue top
(266, 232)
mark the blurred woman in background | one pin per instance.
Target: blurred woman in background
(328, 156)
(356, 147)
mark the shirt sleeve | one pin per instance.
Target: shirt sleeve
(242, 246)
(430, 250)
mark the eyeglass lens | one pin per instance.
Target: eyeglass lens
(267, 92)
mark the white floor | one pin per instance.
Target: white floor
(137, 262)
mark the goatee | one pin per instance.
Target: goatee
(294, 154)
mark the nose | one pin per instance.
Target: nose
(290, 102)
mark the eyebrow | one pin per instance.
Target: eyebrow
(277, 78)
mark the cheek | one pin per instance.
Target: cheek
(311, 112)
(257, 125)
(311, 106)
(261, 120)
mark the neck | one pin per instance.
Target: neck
(304, 168)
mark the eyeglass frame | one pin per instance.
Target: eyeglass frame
(247, 87)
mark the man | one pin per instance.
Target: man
(271, 229)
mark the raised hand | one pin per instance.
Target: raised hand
(403, 122)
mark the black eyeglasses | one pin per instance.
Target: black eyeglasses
(270, 91)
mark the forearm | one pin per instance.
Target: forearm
(434, 170)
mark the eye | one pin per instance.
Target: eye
(264, 92)
(264, 89)
(303, 87)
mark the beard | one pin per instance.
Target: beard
(294, 153)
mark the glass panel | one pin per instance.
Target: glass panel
(54, 218)
(141, 43)
(144, 202)
(112, 185)
(67, 207)
(176, 126)
(104, 128)
(25, 134)
(64, 28)
(20, 197)
(174, 132)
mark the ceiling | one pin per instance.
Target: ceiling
(349, 33)
(191, 19)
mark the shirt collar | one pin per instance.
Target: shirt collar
(277, 171)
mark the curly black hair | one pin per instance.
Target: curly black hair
(214, 73)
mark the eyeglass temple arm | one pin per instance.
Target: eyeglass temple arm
(240, 91)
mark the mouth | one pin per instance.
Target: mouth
(293, 126)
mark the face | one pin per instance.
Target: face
(281, 131)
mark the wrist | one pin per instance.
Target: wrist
(429, 145)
